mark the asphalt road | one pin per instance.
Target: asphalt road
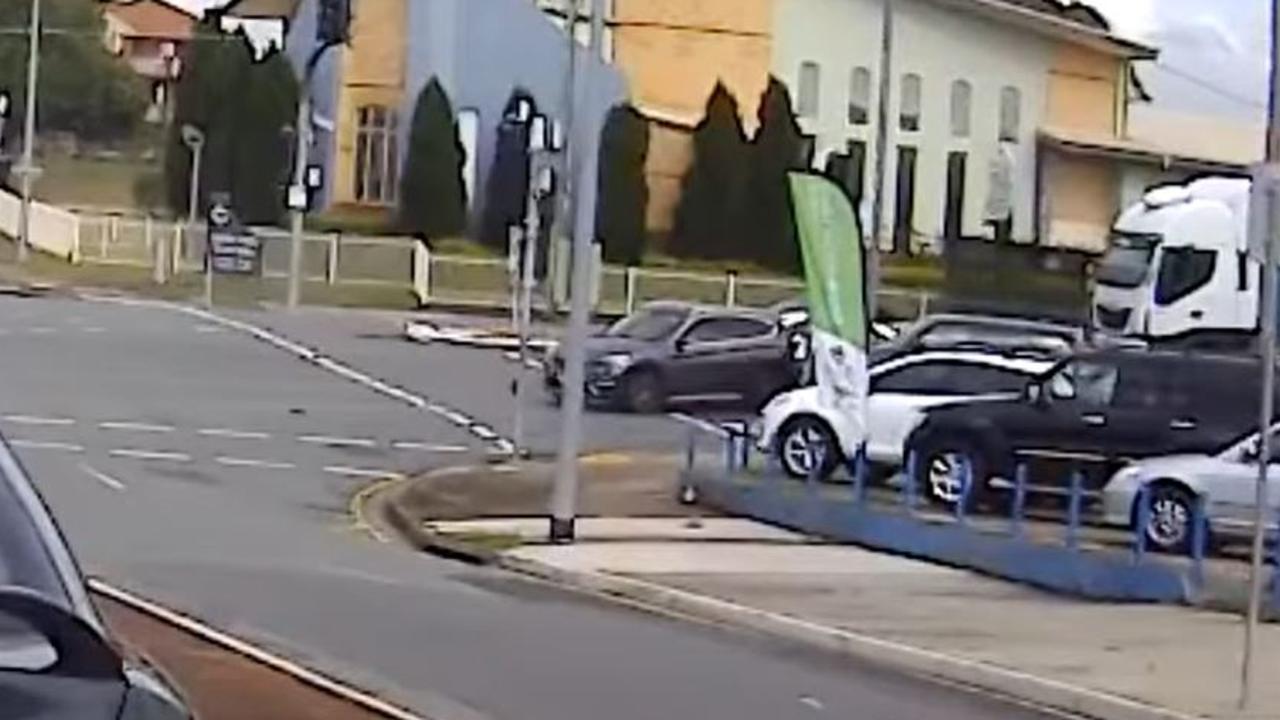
(211, 471)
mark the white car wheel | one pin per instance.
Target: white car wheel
(947, 474)
(807, 446)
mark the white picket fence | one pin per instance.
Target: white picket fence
(171, 248)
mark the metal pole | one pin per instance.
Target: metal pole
(28, 134)
(564, 497)
(563, 219)
(302, 135)
(882, 157)
(1268, 339)
(531, 231)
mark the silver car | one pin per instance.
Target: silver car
(56, 659)
(1226, 483)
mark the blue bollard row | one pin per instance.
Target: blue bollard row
(909, 483)
(1141, 520)
(1074, 503)
(859, 472)
(1199, 539)
(966, 488)
(1019, 511)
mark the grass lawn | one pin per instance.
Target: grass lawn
(87, 182)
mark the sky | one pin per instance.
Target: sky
(1213, 53)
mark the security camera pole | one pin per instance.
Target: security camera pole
(333, 29)
(564, 497)
(193, 138)
(27, 169)
(1266, 221)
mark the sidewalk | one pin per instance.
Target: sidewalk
(1110, 661)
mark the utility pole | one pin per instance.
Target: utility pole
(1268, 340)
(882, 156)
(27, 168)
(562, 222)
(564, 496)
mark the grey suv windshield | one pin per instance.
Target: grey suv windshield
(1127, 263)
(24, 558)
(649, 325)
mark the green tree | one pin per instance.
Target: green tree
(433, 199)
(84, 90)
(623, 194)
(507, 182)
(778, 148)
(246, 109)
(709, 216)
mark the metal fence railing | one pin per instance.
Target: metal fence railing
(339, 259)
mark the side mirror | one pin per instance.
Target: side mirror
(681, 344)
(53, 640)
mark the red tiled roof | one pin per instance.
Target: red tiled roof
(152, 19)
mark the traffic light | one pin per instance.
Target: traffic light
(334, 26)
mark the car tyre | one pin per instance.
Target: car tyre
(942, 466)
(643, 392)
(1170, 515)
(804, 440)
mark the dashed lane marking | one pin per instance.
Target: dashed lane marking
(43, 330)
(149, 455)
(330, 441)
(252, 463)
(102, 477)
(40, 445)
(135, 426)
(360, 472)
(94, 329)
(427, 447)
(37, 420)
(233, 434)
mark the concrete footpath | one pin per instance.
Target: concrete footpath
(1117, 662)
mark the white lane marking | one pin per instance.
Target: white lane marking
(135, 426)
(37, 420)
(43, 330)
(484, 432)
(102, 477)
(233, 434)
(248, 462)
(511, 355)
(39, 445)
(455, 417)
(427, 447)
(699, 423)
(812, 703)
(330, 441)
(360, 472)
(94, 329)
(208, 329)
(149, 455)
(288, 667)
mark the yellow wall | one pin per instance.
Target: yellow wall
(1083, 196)
(373, 73)
(1086, 91)
(672, 53)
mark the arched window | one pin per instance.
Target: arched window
(807, 101)
(961, 108)
(377, 165)
(909, 111)
(860, 96)
(1010, 114)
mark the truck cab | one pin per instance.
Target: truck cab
(1178, 264)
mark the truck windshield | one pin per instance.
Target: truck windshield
(1127, 263)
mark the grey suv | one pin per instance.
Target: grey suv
(673, 351)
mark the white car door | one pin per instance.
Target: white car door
(1231, 483)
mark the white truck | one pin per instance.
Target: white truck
(1178, 264)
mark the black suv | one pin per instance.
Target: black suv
(1092, 413)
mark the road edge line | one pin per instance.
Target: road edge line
(226, 641)
(972, 674)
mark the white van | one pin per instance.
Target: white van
(1178, 264)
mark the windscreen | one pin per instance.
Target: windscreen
(1128, 262)
(649, 324)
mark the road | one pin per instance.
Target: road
(212, 472)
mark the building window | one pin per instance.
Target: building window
(810, 77)
(860, 96)
(961, 108)
(377, 155)
(909, 112)
(1010, 114)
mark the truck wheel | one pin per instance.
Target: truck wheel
(943, 466)
(805, 446)
(643, 392)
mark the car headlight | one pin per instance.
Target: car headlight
(616, 363)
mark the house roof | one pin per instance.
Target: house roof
(1075, 22)
(263, 9)
(1154, 149)
(151, 19)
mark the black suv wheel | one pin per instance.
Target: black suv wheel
(944, 464)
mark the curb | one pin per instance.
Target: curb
(973, 674)
(377, 508)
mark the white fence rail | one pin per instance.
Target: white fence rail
(337, 259)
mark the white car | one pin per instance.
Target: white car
(796, 428)
(1226, 481)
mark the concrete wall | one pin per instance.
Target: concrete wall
(941, 45)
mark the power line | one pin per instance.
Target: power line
(1210, 87)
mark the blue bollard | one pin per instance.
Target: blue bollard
(860, 476)
(1073, 510)
(1141, 519)
(909, 483)
(1199, 539)
(965, 489)
(1019, 500)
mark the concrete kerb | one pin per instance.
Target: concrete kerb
(381, 509)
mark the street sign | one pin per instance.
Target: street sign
(233, 249)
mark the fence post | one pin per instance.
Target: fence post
(104, 235)
(1019, 500)
(331, 267)
(731, 288)
(147, 232)
(113, 231)
(176, 251)
(597, 274)
(1141, 518)
(422, 272)
(77, 223)
(159, 262)
(923, 307)
(630, 291)
(1073, 510)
